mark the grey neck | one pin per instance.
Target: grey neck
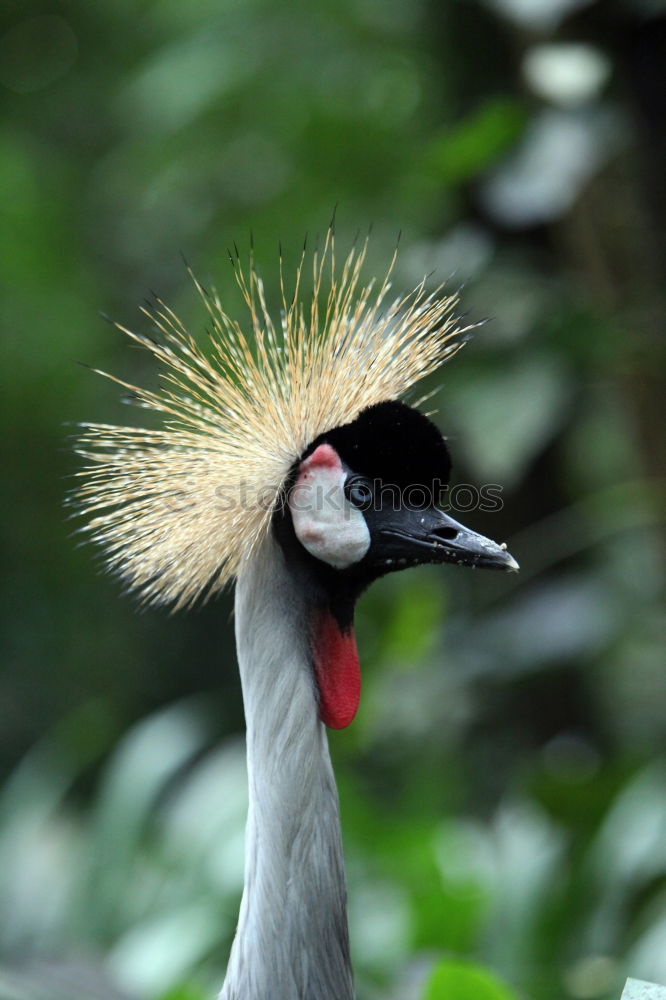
(292, 940)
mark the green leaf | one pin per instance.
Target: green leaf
(454, 980)
(415, 617)
(506, 419)
(479, 141)
(186, 992)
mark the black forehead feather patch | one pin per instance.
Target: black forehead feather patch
(392, 442)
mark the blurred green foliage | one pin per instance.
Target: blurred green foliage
(504, 786)
(462, 981)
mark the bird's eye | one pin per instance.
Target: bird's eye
(359, 492)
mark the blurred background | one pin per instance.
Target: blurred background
(504, 785)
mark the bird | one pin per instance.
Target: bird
(287, 462)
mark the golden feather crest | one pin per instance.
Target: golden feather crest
(178, 509)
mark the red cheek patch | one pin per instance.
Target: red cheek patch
(337, 669)
(323, 457)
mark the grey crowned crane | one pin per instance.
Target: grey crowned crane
(286, 462)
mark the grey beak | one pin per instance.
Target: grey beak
(431, 536)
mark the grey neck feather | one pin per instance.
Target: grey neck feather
(292, 940)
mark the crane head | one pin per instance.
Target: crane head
(363, 501)
(365, 498)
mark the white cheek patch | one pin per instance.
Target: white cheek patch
(325, 522)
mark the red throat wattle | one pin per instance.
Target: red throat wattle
(337, 670)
